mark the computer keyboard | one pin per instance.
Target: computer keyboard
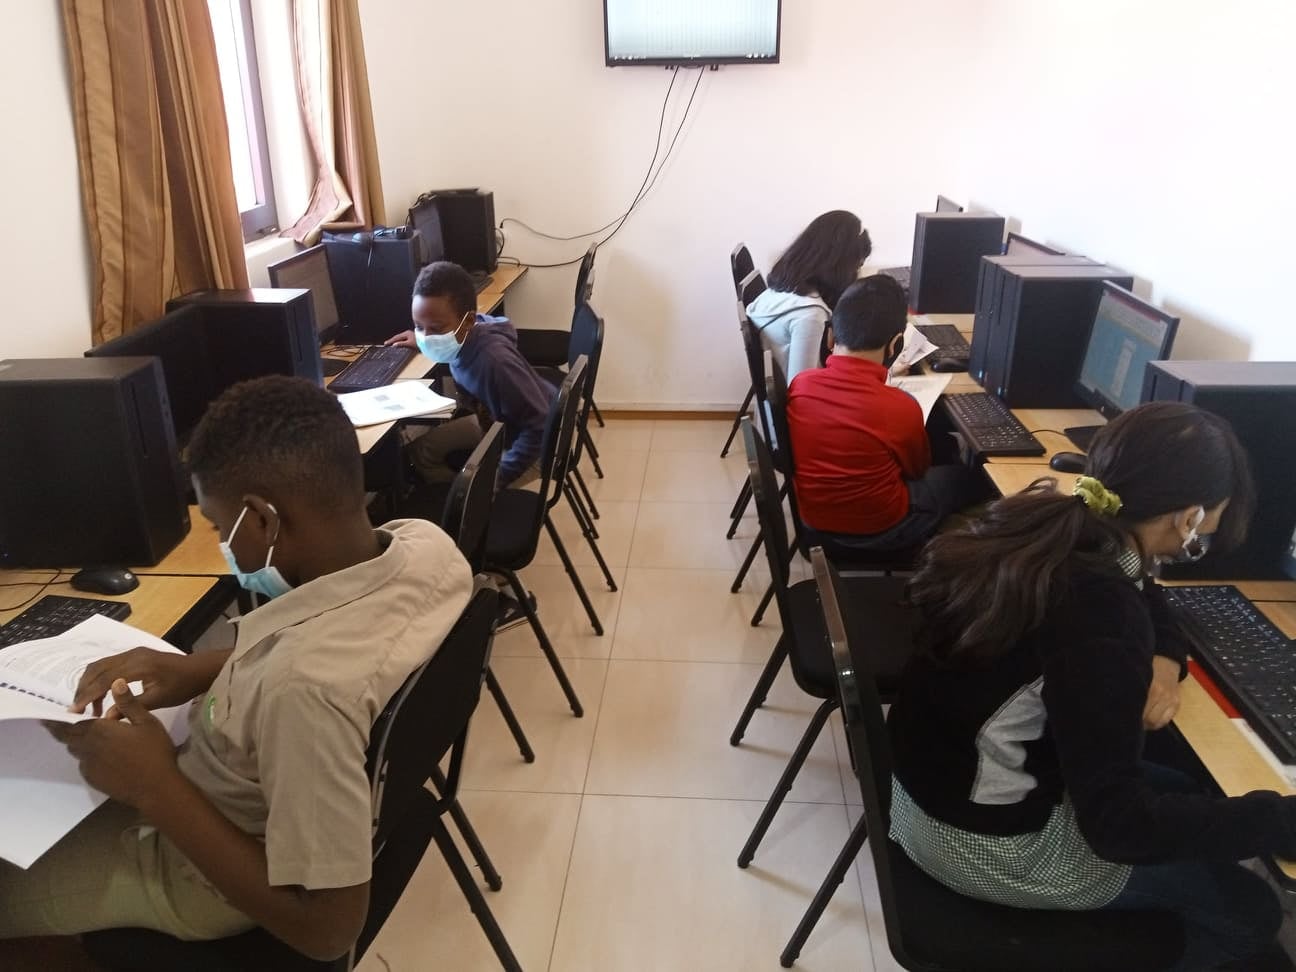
(989, 427)
(950, 344)
(901, 275)
(1251, 661)
(53, 614)
(376, 366)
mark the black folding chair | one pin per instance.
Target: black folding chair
(748, 285)
(930, 928)
(423, 723)
(520, 514)
(586, 339)
(467, 518)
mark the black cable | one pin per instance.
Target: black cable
(1052, 431)
(43, 588)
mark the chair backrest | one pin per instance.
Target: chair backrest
(472, 494)
(741, 263)
(429, 716)
(585, 275)
(751, 287)
(556, 450)
(769, 511)
(776, 420)
(587, 339)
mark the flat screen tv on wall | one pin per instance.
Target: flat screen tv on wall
(691, 33)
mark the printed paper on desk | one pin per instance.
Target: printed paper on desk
(42, 794)
(916, 347)
(927, 389)
(387, 403)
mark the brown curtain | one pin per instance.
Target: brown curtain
(154, 150)
(333, 92)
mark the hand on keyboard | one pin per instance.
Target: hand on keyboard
(405, 339)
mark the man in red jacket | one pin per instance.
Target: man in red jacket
(864, 476)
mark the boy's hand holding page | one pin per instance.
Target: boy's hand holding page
(164, 679)
(916, 347)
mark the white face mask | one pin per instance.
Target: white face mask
(440, 348)
(266, 581)
(1195, 545)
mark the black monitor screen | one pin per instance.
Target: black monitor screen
(309, 270)
(1127, 333)
(691, 32)
(946, 205)
(1018, 245)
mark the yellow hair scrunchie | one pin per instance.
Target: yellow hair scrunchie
(1096, 496)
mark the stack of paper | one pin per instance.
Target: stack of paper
(927, 389)
(387, 403)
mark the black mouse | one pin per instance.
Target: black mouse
(949, 364)
(1068, 462)
(105, 580)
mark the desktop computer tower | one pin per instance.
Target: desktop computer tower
(947, 253)
(91, 474)
(373, 283)
(990, 293)
(459, 226)
(1036, 339)
(1258, 398)
(250, 333)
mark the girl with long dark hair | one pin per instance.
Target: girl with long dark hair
(804, 287)
(1047, 653)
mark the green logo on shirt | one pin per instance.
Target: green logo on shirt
(211, 707)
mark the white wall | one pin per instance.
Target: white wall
(1150, 134)
(44, 254)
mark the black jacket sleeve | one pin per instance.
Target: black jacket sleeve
(1171, 640)
(1096, 654)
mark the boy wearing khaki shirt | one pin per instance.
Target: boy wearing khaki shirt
(263, 816)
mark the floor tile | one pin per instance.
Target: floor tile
(652, 886)
(693, 435)
(693, 477)
(850, 783)
(615, 525)
(664, 731)
(561, 741)
(563, 616)
(689, 535)
(529, 839)
(629, 434)
(689, 615)
(623, 473)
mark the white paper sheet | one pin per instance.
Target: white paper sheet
(916, 347)
(401, 399)
(42, 794)
(927, 389)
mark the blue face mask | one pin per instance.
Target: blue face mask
(440, 348)
(267, 581)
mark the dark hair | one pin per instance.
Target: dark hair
(983, 587)
(449, 280)
(279, 437)
(825, 258)
(870, 313)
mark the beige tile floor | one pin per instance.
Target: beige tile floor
(618, 845)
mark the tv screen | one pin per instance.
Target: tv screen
(691, 31)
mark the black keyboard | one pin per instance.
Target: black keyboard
(1252, 662)
(901, 275)
(53, 614)
(989, 427)
(376, 366)
(950, 344)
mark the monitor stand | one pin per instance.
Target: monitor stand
(332, 366)
(1082, 435)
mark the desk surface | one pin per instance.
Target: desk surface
(197, 555)
(157, 605)
(503, 277)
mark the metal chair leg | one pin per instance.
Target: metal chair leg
(475, 847)
(736, 586)
(506, 710)
(739, 508)
(591, 537)
(591, 451)
(577, 503)
(761, 689)
(476, 902)
(575, 577)
(585, 493)
(737, 422)
(784, 785)
(759, 616)
(854, 844)
(543, 638)
(598, 416)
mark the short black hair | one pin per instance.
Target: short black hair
(825, 258)
(449, 280)
(870, 313)
(278, 436)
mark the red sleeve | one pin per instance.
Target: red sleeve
(908, 436)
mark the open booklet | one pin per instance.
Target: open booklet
(387, 403)
(42, 794)
(927, 389)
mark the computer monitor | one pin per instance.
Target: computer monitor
(1019, 245)
(1289, 561)
(944, 204)
(309, 270)
(1126, 334)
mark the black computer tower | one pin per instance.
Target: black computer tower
(373, 283)
(1037, 337)
(459, 226)
(990, 293)
(947, 253)
(91, 474)
(1258, 398)
(250, 333)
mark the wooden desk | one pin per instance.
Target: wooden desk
(1013, 477)
(197, 555)
(503, 277)
(157, 605)
(1047, 424)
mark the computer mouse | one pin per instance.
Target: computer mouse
(1068, 462)
(105, 580)
(950, 364)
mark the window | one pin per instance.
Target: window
(241, 85)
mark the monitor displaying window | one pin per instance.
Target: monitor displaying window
(1127, 333)
(309, 270)
(1019, 245)
(690, 32)
(944, 204)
